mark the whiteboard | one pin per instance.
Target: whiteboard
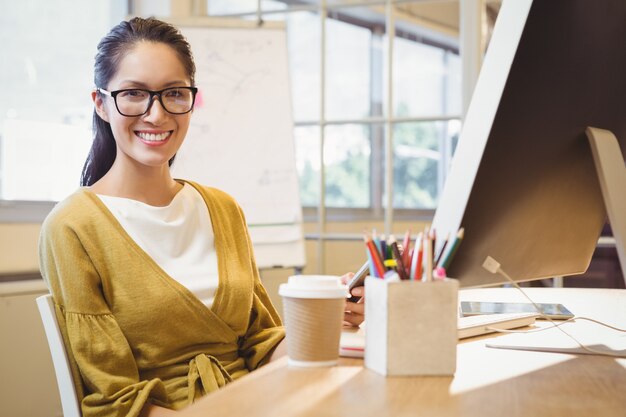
(240, 139)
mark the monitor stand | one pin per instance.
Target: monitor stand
(611, 171)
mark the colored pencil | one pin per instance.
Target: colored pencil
(390, 263)
(377, 243)
(445, 263)
(433, 237)
(370, 261)
(419, 269)
(383, 249)
(442, 250)
(416, 259)
(428, 257)
(376, 258)
(405, 249)
(398, 258)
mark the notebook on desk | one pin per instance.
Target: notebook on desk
(352, 342)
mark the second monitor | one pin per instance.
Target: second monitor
(523, 182)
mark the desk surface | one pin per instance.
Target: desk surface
(488, 382)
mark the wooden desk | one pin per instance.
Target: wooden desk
(488, 382)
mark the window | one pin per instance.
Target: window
(348, 58)
(346, 156)
(419, 152)
(304, 55)
(308, 162)
(426, 93)
(46, 76)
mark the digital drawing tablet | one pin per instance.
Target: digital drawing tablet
(552, 310)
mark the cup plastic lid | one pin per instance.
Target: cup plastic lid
(313, 286)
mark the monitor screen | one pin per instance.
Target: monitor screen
(523, 182)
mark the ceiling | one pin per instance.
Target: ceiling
(444, 12)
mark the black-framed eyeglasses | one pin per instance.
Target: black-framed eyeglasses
(132, 102)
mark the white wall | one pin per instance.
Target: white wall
(18, 247)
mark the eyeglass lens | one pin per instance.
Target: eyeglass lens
(136, 102)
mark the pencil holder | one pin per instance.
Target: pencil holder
(411, 327)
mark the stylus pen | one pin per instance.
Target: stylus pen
(358, 280)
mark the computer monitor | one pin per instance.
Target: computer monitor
(523, 182)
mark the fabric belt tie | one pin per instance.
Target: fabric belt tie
(206, 374)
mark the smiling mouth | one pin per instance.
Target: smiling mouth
(153, 138)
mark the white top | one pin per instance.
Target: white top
(178, 237)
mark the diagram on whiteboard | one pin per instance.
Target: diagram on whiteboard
(241, 135)
(240, 139)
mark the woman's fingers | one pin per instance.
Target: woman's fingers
(355, 308)
(358, 291)
(352, 319)
(345, 278)
(354, 313)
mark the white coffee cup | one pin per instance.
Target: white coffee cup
(314, 307)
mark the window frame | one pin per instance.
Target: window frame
(27, 211)
(377, 182)
(24, 211)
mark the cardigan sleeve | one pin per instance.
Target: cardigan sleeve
(105, 372)
(265, 329)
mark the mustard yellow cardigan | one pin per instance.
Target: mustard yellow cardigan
(133, 333)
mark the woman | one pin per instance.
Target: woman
(154, 279)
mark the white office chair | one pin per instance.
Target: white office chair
(69, 399)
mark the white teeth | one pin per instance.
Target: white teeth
(153, 137)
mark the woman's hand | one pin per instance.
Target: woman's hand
(355, 312)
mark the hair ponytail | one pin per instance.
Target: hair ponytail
(102, 153)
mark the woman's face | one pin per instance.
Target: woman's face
(152, 139)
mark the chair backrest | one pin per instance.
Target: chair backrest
(69, 399)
